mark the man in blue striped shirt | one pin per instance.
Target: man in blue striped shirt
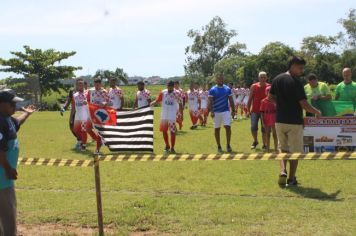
(220, 97)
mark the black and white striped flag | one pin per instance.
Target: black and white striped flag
(133, 131)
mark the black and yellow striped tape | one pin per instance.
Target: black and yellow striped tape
(190, 157)
(55, 162)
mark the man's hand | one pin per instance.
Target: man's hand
(212, 114)
(318, 114)
(11, 173)
(233, 114)
(30, 109)
(62, 110)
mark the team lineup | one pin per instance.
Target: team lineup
(173, 99)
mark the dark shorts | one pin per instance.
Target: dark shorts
(8, 212)
(255, 117)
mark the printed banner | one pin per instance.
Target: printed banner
(329, 134)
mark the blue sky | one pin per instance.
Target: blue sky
(148, 37)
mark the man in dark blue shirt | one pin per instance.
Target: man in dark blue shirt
(219, 97)
(9, 152)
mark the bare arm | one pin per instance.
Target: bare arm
(210, 105)
(309, 108)
(26, 113)
(252, 90)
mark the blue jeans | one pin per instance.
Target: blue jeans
(255, 117)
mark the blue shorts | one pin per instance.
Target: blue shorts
(255, 117)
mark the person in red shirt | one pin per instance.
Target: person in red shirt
(257, 94)
(268, 115)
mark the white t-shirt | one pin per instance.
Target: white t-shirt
(81, 106)
(193, 100)
(204, 99)
(142, 98)
(115, 95)
(170, 102)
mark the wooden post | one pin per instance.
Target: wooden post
(98, 195)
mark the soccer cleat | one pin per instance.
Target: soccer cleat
(173, 151)
(282, 179)
(78, 146)
(220, 150)
(229, 149)
(167, 149)
(254, 145)
(83, 147)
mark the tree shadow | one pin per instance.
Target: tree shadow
(314, 193)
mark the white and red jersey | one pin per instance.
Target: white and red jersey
(143, 97)
(181, 95)
(80, 103)
(193, 100)
(115, 95)
(240, 95)
(170, 102)
(204, 99)
(97, 97)
(246, 93)
(234, 95)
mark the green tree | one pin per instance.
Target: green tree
(273, 58)
(41, 65)
(349, 25)
(210, 45)
(118, 74)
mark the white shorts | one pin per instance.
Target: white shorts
(222, 118)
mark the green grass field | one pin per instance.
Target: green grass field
(181, 198)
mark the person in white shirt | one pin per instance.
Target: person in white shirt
(170, 100)
(194, 105)
(82, 123)
(203, 95)
(143, 96)
(182, 100)
(115, 95)
(97, 96)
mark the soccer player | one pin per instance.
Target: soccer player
(99, 97)
(170, 100)
(194, 105)
(203, 95)
(182, 99)
(143, 96)
(72, 113)
(240, 97)
(115, 95)
(219, 97)
(82, 123)
(246, 94)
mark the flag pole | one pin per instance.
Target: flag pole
(98, 195)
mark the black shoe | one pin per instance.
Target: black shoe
(167, 148)
(220, 150)
(264, 147)
(173, 151)
(229, 149)
(292, 182)
(254, 145)
(282, 180)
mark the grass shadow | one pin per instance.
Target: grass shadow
(314, 193)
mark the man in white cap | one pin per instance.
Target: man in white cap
(9, 152)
